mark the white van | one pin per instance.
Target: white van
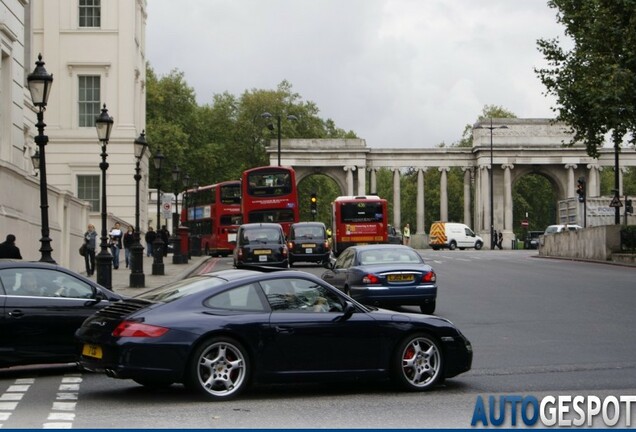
(453, 235)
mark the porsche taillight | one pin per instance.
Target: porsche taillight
(137, 329)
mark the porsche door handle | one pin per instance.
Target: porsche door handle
(284, 330)
(16, 313)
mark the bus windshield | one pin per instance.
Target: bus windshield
(231, 194)
(268, 183)
(361, 212)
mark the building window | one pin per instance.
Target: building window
(90, 13)
(89, 95)
(88, 190)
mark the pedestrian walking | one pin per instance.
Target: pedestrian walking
(500, 240)
(165, 237)
(150, 237)
(407, 235)
(90, 241)
(8, 249)
(115, 243)
(129, 239)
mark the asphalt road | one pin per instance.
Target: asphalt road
(538, 326)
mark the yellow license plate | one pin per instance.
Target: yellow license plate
(94, 351)
(400, 278)
(309, 245)
(262, 252)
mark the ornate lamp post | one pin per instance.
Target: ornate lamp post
(176, 240)
(270, 126)
(137, 277)
(184, 204)
(40, 82)
(104, 125)
(157, 245)
(195, 244)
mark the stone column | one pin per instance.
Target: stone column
(478, 206)
(362, 180)
(507, 225)
(592, 183)
(443, 193)
(485, 202)
(349, 171)
(419, 209)
(570, 192)
(396, 197)
(467, 174)
(374, 188)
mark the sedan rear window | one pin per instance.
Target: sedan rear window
(389, 256)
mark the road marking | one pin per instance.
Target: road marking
(208, 266)
(14, 393)
(62, 412)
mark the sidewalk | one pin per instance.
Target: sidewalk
(172, 272)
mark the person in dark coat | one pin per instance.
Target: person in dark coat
(8, 249)
(90, 239)
(150, 237)
(129, 239)
(165, 237)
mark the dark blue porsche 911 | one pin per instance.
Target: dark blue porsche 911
(219, 332)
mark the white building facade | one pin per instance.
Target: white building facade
(96, 53)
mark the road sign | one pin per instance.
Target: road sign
(166, 207)
(524, 223)
(616, 202)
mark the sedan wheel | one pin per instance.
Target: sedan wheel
(219, 369)
(418, 363)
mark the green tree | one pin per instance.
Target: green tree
(595, 81)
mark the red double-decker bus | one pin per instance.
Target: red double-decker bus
(213, 214)
(269, 194)
(358, 220)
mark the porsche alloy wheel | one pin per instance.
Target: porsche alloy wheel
(418, 363)
(219, 369)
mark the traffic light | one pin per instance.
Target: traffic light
(580, 189)
(628, 207)
(314, 204)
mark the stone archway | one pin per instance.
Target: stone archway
(525, 146)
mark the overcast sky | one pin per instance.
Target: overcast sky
(399, 73)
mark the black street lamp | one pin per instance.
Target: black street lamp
(490, 173)
(184, 203)
(177, 258)
(270, 126)
(158, 245)
(40, 82)
(104, 125)
(137, 277)
(195, 239)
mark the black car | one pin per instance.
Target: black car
(42, 305)
(218, 332)
(385, 275)
(394, 235)
(261, 244)
(532, 239)
(308, 242)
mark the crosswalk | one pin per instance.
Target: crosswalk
(61, 413)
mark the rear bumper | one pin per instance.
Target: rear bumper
(380, 295)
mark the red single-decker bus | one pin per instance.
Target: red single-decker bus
(213, 214)
(269, 194)
(358, 220)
